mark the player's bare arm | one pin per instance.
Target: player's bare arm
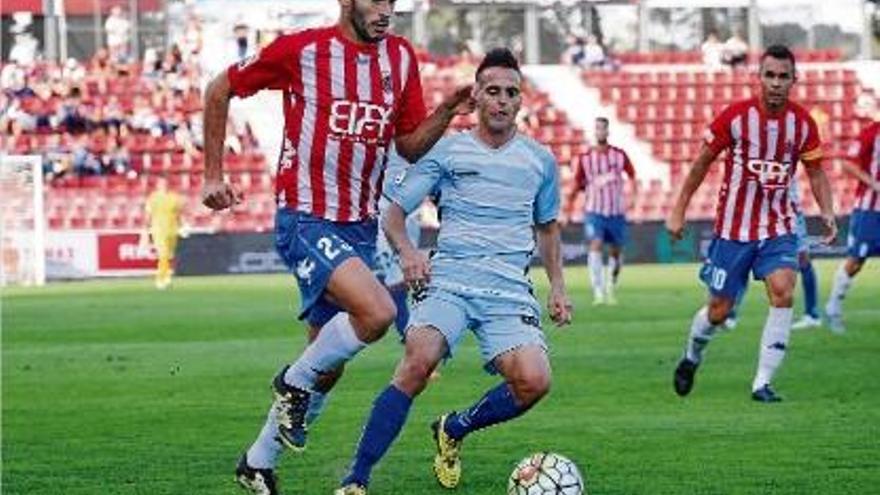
(216, 194)
(414, 145)
(414, 264)
(822, 192)
(550, 248)
(696, 176)
(861, 176)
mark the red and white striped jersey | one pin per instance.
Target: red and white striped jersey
(762, 154)
(343, 103)
(599, 172)
(866, 153)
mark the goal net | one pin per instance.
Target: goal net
(22, 221)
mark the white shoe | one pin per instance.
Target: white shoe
(598, 299)
(835, 323)
(806, 322)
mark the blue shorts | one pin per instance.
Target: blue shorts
(610, 229)
(727, 266)
(864, 234)
(497, 331)
(312, 248)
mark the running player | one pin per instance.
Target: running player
(348, 90)
(163, 209)
(499, 191)
(600, 173)
(864, 231)
(765, 138)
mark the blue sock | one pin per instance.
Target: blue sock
(811, 295)
(497, 406)
(398, 294)
(384, 424)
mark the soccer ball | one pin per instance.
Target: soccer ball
(545, 473)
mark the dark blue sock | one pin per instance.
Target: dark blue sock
(811, 294)
(384, 424)
(497, 406)
(398, 294)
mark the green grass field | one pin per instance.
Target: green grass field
(112, 387)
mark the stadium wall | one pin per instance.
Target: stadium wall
(209, 254)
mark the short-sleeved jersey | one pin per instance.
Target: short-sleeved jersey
(490, 200)
(343, 103)
(164, 208)
(600, 174)
(762, 154)
(866, 153)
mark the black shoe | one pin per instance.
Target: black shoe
(683, 381)
(766, 394)
(256, 481)
(291, 405)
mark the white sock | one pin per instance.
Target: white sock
(702, 331)
(841, 284)
(337, 342)
(265, 450)
(595, 261)
(774, 340)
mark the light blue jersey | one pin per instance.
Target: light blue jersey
(490, 200)
(387, 266)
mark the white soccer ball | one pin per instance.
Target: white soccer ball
(545, 473)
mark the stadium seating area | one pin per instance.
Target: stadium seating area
(670, 108)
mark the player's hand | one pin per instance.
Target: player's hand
(559, 307)
(461, 101)
(218, 195)
(675, 226)
(830, 230)
(416, 269)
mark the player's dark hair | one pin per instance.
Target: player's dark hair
(604, 120)
(498, 57)
(780, 52)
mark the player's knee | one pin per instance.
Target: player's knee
(412, 374)
(781, 297)
(376, 319)
(853, 266)
(718, 310)
(530, 387)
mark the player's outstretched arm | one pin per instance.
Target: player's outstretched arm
(413, 263)
(216, 194)
(550, 248)
(675, 222)
(822, 192)
(861, 176)
(414, 145)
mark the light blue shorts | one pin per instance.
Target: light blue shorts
(800, 230)
(499, 328)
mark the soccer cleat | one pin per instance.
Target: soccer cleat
(291, 406)
(610, 299)
(598, 299)
(766, 395)
(835, 323)
(806, 322)
(683, 381)
(256, 481)
(447, 462)
(351, 489)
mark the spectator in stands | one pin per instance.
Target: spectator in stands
(24, 51)
(85, 162)
(72, 115)
(594, 53)
(152, 65)
(15, 119)
(574, 51)
(713, 51)
(144, 117)
(117, 159)
(241, 33)
(118, 29)
(56, 160)
(73, 72)
(736, 51)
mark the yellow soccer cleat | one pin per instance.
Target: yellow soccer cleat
(351, 489)
(447, 462)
